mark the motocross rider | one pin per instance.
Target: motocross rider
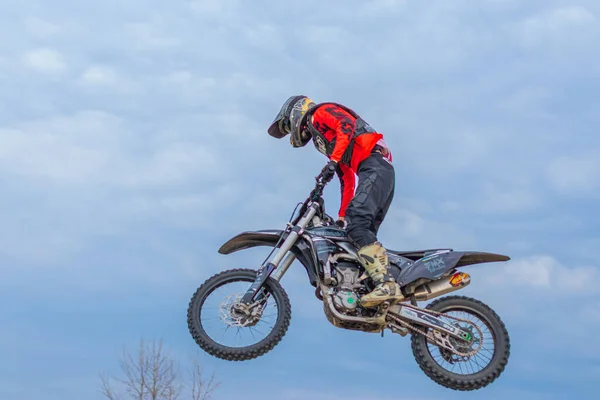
(353, 148)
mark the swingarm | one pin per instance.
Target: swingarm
(412, 314)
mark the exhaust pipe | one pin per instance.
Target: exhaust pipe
(442, 286)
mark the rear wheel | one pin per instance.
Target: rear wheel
(224, 328)
(460, 372)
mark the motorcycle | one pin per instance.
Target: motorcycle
(458, 342)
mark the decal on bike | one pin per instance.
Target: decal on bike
(327, 232)
(417, 315)
(325, 248)
(435, 265)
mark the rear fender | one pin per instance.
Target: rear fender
(435, 265)
(247, 240)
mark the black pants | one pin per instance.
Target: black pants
(374, 194)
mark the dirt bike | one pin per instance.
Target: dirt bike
(458, 341)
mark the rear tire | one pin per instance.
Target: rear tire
(479, 379)
(218, 350)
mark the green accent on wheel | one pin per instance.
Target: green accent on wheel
(350, 301)
(493, 368)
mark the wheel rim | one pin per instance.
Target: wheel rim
(226, 323)
(466, 365)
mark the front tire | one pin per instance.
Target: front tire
(230, 353)
(475, 380)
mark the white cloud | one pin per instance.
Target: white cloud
(551, 24)
(450, 206)
(152, 35)
(61, 148)
(405, 229)
(94, 147)
(189, 87)
(534, 227)
(181, 79)
(93, 173)
(48, 156)
(500, 199)
(379, 6)
(45, 60)
(99, 75)
(575, 174)
(221, 9)
(327, 36)
(41, 28)
(561, 17)
(529, 99)
(194, 210)
(546, 274)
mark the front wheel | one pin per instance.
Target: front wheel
(228, 330)
(460, 372)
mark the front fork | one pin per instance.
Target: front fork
(266, 270)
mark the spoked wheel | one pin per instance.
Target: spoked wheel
(227, 329)
(488, 340)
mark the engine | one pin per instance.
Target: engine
(347, 290)
(347, 275)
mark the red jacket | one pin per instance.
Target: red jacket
(333, 122)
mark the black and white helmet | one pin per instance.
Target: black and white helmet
(289, 120)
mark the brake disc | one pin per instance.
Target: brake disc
(234, 313)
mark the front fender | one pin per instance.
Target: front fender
(247, 240)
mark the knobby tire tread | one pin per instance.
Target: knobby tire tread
(244, 353)
(447, 378)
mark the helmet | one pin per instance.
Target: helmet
(290, 120)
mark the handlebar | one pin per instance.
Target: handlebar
(318, 189)
(315, 195)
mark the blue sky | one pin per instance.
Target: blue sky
(133, 144)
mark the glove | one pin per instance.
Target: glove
(329, 171)
(341, 223)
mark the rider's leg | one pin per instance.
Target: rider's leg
(374, 193)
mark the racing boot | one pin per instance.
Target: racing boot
(375, 260)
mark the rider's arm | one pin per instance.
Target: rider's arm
(342, 123)
(347, 182)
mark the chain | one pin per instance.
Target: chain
(439, 340)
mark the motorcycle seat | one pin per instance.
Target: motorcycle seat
(414, 254)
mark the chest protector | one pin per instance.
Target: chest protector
(326, 147)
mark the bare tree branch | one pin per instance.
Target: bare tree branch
(162, 374)
(201, 389)
(153, 374)
(106, 390)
